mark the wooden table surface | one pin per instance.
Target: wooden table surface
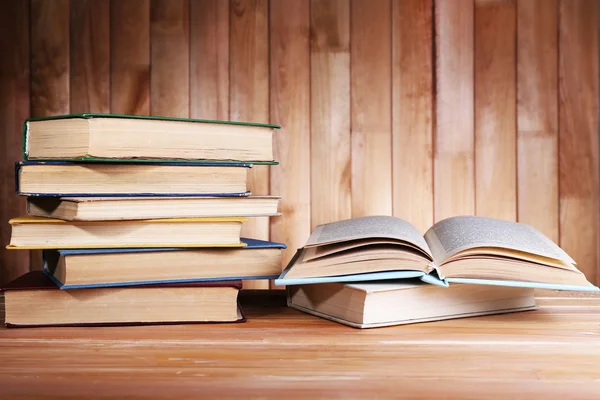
(553, 352)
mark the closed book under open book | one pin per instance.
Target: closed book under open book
(93, 137)
(34, 300)
(464, 249)
(385, 303)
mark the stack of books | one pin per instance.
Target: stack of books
(380, 270)
(139, 220)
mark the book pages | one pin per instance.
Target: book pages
(368, 227)
(453, 235)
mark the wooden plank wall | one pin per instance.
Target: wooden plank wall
(412, 112)
(14, 107)
(421, 109)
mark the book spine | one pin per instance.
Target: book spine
(17, 170)
(25, 143)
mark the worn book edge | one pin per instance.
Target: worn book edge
(25, 144)
(408, 321)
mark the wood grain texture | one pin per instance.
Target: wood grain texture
(49, 57)
(550, 353)
(249, 91)
(371, 105)
(578, 133)
(130, 57)
(537, 115)
(495, 109)
(393, 90)
(209, 59)
(412, 108)
(50, 69)
(170, 58)
(330, 141)
(14, 108)
(454, 182)
(89, 56)
(290, 108)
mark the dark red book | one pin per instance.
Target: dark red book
(33, 300)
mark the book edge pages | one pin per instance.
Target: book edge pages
(157, 198)
(406, 322)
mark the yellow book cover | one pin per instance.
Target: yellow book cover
(180, 232)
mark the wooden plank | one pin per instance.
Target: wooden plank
(249, 92)
(495, 109)
(537, 115)
(371, 97)
(330, 151)
(90, 56)
(412, 105)
(454, 184)
(550, 353)
(130, 57)
(170, 58)
(14, 108)
(49, 57)
(578, 133)
(290, 108)
(209, 59)
(49, 66)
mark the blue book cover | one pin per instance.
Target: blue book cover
(523, 284)
(20, 164)
(50, 260)
(250, 244)
(373, 276)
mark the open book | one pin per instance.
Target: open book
(464, 249)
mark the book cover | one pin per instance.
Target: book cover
(37, 280)
(250, 244)
(370, 276)
(43, 220)
(144, 117)
(386, 303)
(19, 164)
(522, 284)
(405, 322)
(28, 219)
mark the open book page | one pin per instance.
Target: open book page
(453, 235)
(316, 252)
(374, 227)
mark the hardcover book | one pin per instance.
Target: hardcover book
(385, 303)
(33, 300)
(75, 269)
(465, 249)
(46, 233)
(66, 179)
(119, 208)
(109, 137)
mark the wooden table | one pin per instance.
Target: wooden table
(281, 353)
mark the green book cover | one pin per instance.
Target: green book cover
(144, 117)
